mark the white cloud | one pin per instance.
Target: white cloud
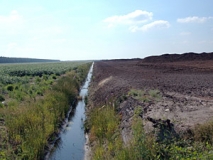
(193, 19)
(159, 24)
(135, 17)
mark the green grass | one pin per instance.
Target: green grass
(103, 123)
(145, 96)
(28, 81)
(105, 135)
(204, 132)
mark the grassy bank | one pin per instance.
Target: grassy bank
(29, 124)
(105, 137)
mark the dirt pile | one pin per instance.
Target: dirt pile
(179, 57)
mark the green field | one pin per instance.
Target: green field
(30, 80)
(34, 99)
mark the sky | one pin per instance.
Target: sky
(104, 29)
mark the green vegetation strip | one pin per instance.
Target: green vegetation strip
(28, 124)
(106, 141)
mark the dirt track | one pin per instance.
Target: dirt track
(186, 89)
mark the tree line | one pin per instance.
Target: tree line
(24, 60)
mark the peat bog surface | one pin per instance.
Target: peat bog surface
(184, 84)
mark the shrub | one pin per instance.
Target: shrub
(54, 77)
(10, 87)
(39, 92)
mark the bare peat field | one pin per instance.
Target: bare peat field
(172, 100)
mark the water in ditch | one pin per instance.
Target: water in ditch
(71, 141)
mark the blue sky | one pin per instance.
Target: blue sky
(99, 29)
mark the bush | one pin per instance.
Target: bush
(54, 77)
(10, 87)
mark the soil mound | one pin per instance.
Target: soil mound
(179, 57)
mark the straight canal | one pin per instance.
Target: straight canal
(70, 144)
